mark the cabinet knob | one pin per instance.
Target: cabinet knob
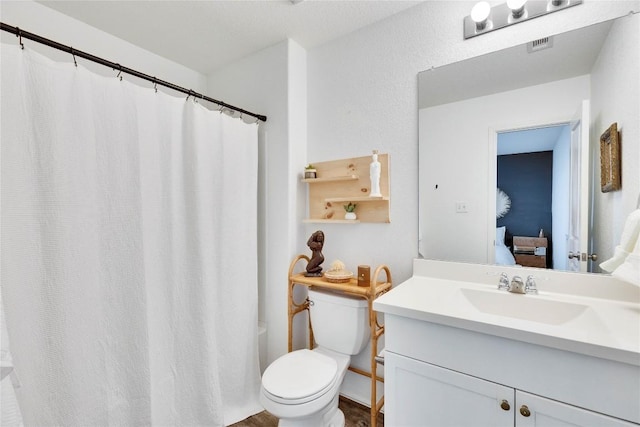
(505, 405)
(524, 411)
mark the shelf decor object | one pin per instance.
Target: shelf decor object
(344, 182)
(350, 211)
(374, 175)
(610, 160)
(310, 172)
(337, 273)
(370, 293)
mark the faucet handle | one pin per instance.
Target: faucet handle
(503, 285)
(530, 287)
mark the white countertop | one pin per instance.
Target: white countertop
(580, 322)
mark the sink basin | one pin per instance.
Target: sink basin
(524, 307)
(595, 316)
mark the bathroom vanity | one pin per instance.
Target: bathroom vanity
(459, 352)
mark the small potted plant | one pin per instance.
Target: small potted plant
(309, 171)
(350, 211)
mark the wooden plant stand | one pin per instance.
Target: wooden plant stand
(370, 293)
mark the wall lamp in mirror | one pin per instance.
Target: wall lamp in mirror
(484, 18)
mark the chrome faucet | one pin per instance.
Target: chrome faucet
(503, 285)
(517, 285)
(530, 287)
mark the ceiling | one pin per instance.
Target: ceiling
(206, 35)
(571, 54)
(529, 140)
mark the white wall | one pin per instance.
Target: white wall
(46, 22)
(363, 96)
(463, 131)
(273, 82)
(615, 91)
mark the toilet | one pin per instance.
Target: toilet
(301, 388)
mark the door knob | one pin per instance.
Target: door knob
(576, 255)
(593, 257)
(505, 405)
(524, 411)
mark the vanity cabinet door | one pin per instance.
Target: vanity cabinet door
(532, 410)
(421, 394)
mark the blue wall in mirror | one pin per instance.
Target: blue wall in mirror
(527, 179)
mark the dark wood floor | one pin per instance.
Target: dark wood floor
(356, 415)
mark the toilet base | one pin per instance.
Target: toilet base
(330, 416)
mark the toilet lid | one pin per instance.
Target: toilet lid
(299, 374)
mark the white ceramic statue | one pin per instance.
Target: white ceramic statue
(374, 175)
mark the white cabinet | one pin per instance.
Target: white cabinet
(421, 394)
(546, 413)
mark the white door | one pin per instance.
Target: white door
(578, 238)
(536, 411)
(420, 394)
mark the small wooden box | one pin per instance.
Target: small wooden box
(364, 275)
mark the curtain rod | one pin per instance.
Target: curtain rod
(121, 69)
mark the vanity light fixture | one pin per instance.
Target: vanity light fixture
(480, 15)
(517, 8)
(484, 18)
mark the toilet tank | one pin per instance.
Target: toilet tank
(340, 322)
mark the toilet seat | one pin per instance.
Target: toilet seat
(283, 382)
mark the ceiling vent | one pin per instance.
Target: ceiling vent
(540, 44)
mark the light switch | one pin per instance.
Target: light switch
(461, 207)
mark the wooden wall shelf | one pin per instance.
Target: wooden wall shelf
(342, 181)
(330, 179)
(331, 221)
(370, 293)
(356, 199)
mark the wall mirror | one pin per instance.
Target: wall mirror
(515, 122)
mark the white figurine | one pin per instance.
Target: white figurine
(374, 175)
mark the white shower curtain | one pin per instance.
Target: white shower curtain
(128, 251)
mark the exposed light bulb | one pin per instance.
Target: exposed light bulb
(480, 13)
(517, 7)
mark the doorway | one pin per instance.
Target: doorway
(533, 169)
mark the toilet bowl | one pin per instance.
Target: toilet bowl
(302, 388)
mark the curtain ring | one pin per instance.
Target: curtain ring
(119, 72)
(155, 85)
(74, 58)
(19, 35)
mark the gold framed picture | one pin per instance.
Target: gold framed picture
(610, 179)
